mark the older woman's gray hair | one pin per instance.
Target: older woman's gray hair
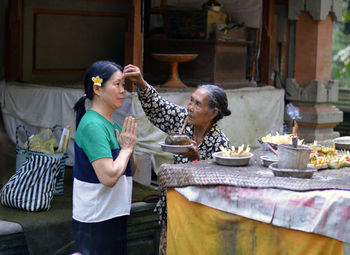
(218, 100)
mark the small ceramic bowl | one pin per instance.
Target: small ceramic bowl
(268, 160)
(231, 161)
(342, 143)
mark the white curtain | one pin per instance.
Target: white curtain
(255, 113)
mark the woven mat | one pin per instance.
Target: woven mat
(207, 172)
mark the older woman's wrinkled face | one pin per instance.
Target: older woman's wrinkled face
(198, 112)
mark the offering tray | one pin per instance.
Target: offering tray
(231, 161)
(297, 173)
(175, 148)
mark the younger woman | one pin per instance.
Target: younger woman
(102, 169)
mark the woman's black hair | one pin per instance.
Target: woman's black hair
(218, 100)
(104, 69)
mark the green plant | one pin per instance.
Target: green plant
(341, 48)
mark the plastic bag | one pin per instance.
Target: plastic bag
(42, 142)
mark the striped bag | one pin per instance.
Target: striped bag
(23, 154)
(32, 187)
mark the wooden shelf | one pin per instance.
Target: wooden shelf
(218, 62)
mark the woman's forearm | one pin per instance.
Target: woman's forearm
(120, 164)
(109, 171)
(157, 108)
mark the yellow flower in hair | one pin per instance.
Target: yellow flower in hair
(97, 80)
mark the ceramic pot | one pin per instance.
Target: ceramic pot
(177, 139)
(290, 157)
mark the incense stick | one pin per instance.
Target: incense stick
(183, 126)
(269, 146)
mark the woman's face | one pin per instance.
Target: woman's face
(198, 112)
(113, 90)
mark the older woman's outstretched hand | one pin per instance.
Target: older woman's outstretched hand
(133, 74)
(127, 138)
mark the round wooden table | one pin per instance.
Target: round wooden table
(174, 60)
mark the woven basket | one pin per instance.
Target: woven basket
(23, 154)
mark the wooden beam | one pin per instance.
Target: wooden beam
(79, 13)
(268, 42)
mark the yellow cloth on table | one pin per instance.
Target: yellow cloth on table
(198, 229)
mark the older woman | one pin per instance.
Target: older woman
(103, 166)
(207, 105)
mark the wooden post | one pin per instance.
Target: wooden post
(134, 41)
(3, 6)
(13, 40)
(268, 43)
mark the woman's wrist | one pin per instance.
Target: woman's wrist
(142, 85)
(127, 151)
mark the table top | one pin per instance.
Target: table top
(254, 175)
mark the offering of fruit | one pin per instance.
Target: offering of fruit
(240, 152)
(280, 139)
(177, 139)
(323, 150)
(347, 161)
(322, 156)
(334, 163)
(319, 162)
(339, 161)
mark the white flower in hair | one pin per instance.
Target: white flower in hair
(97, 80)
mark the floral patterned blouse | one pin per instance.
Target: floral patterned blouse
(170, 117)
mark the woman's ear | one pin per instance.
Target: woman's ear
(214, 113)
(97, 89)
